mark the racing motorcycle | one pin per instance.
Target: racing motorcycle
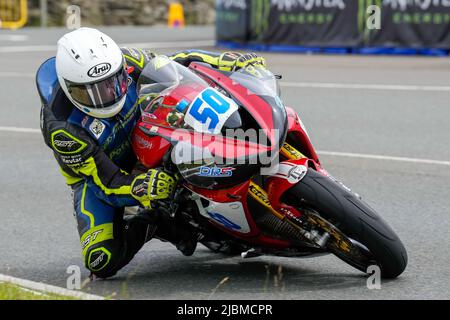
(265, 196)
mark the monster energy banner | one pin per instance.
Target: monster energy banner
(232, 20)
(411, 23)
(336, 23)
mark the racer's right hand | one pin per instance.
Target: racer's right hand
(153, 185)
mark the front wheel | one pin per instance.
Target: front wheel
(344, 212)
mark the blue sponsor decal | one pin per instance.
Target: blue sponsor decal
(224, 221)
(215, 171)
(182, 105)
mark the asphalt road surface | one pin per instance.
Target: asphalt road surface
(365, 108)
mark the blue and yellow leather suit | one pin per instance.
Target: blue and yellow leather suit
(96, 158)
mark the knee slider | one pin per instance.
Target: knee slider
(101, 259)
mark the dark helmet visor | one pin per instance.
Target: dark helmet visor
(101, 94)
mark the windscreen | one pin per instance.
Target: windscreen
(260, 81)
(161, 73)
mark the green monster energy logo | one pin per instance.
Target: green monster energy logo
(260, 10)
(364, 15)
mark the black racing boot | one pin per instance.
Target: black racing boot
(178, 233)
(173, 230)
(187, 245)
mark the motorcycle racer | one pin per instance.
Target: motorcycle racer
(88, 95)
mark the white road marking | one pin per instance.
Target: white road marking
(13, 37)
(17, 129)
(364, 86)
(11, 74)
(175, 44)
(33, 48)
(380, 157)
(151, 45)
(46, 288)
(325, 153)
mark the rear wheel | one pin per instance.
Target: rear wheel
(363, 237)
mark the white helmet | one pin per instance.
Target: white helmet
(92, 72)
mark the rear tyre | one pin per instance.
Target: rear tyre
(352, 217)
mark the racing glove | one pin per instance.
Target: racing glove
(232, 61)
(153, 185)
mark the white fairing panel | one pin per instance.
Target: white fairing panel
(231, 215)
(209, 111)
(293, 173)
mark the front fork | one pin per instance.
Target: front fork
(288, 174)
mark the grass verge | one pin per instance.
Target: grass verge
(13, 292)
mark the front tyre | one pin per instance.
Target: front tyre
(345, 211)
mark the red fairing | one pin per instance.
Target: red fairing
(236, 193)
(260, 109)
(277, 186)
(159, 125)
(239, 193)
(295, 128)
(149, 150)
(265, 241)
(218, 145)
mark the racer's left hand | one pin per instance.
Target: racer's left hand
(232, 61)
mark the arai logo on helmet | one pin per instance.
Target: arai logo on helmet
(99, 70)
